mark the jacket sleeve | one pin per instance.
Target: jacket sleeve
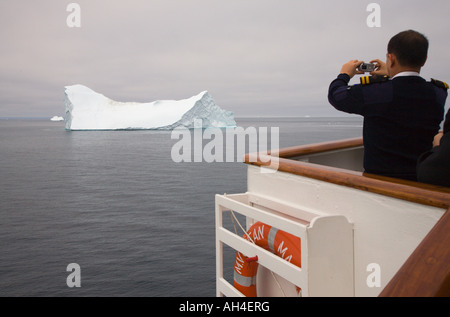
(433, 166)
(346, 98)
(447, 122)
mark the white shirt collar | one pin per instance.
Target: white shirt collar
(406, 74)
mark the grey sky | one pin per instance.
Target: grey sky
(255, 57)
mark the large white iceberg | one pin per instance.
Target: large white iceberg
(88, 110)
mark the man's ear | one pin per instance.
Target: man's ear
(392, 59)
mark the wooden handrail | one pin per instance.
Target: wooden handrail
(426, 273)
(426, 194)
(319, 147)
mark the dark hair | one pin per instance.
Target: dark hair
(410, 48)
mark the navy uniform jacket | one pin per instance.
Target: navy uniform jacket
(401, 118)
(434, 165)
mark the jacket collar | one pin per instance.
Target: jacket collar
(406, 74)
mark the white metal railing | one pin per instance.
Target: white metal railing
(326, 245)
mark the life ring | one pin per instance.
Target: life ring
(281, 243)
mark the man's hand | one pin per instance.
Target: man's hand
(350, 68)
(437, 139)
(380, 68)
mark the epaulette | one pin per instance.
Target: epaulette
(439, 83)
(366, 80)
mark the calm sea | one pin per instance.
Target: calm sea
(115, 203)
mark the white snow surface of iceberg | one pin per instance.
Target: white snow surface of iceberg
(89, 110)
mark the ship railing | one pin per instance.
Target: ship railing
(320, 235)
(426, 272)
(340, 162)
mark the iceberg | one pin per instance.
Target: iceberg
(86, 109)
(56, 118)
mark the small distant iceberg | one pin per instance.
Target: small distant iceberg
(86, 109)
(56, 118)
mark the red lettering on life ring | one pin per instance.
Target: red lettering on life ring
(281, 243)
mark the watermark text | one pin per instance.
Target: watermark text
(74, 18)
(74, 278)
(374, 18)
(226, 145)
